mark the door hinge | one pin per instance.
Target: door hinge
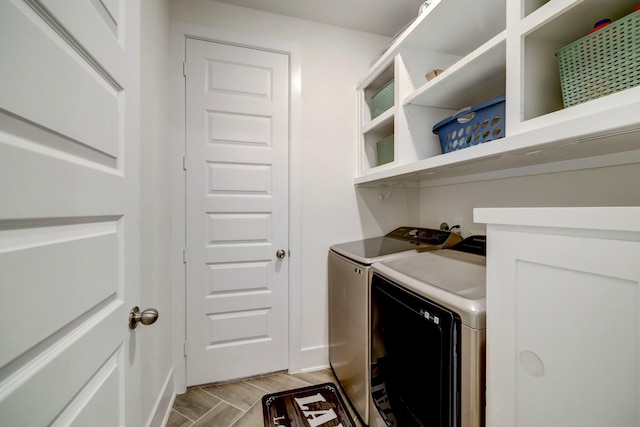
(184, 163)
(184, 348)
(184, 256)
(184, 68)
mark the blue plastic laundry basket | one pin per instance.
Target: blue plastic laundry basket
(472, 125)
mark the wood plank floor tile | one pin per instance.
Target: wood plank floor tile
(278, 382)
(221, 415)
(194, 403)
(178, 420)
(318, 377)
(251, 418)
(239, 394)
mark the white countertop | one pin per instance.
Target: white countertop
(594, 218)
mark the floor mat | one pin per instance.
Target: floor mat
(313, 406)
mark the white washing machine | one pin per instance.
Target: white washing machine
(349, 265)
(428, 321)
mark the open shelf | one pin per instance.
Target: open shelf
(565, 21)
(370, 139)
(369, 90)
(475, 78)
(483, 163)
(554, 26)
(546, 149)
(447, 26)
(379, 122)
(531, 6)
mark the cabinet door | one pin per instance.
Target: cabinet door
(562, 330)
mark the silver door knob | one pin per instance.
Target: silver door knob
(147, 317)
(281, 253)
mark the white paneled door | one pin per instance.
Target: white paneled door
(237, 137)
(68, 212)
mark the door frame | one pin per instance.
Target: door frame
(179, 33)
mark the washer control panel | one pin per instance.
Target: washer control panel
(426, 236)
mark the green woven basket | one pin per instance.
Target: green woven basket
(385, 150)
(603, 62)
(382, 100)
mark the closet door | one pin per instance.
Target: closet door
(237, 204)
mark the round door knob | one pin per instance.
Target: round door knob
(281, 253)
(147, 317)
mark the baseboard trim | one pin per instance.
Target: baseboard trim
(311, 359)
(160, 414)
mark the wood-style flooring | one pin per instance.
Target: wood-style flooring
(239, 404)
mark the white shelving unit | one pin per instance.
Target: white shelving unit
(437, 39)
(490, 48)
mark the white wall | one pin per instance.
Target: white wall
(155, 349)
(332, 210)
(610, 186)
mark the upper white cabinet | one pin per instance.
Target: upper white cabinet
(490, 48)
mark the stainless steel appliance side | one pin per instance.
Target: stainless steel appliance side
(472, 382)
(348, 329)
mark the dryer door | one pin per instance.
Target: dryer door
(415, 362)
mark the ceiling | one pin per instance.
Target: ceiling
(383, 17)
